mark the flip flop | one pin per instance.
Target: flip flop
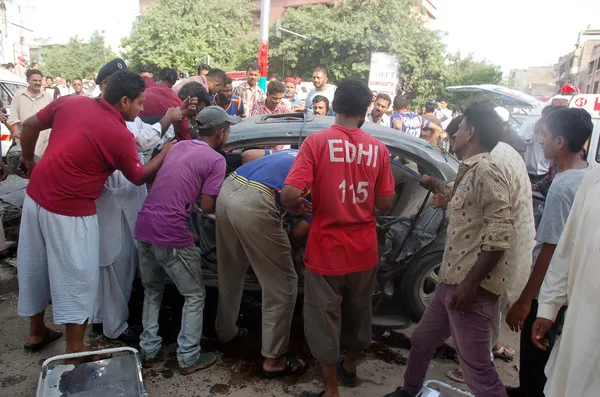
(348, 378)
(51, 336)
(504, 353)
(456, 375)
(293, 366)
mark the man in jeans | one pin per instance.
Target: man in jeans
(350, 175)
(564, 132)
(193, 174)
(474, 269)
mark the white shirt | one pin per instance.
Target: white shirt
(535, 160)
(445, 116)
(384, 120)
(519, 256)
(122, 198)
(328, 93)
(573, 279)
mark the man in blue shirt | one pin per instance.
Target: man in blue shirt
(411, 123)
(250, 229)
(231, 103)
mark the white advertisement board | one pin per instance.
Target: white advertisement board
(383, 76)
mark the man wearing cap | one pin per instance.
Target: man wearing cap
(249, 229)
(191, 175)
(117, 208)
(58, 255)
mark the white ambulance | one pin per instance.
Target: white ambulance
(570, 97)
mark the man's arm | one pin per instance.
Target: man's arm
(384, 185)
(29, 136)
(435, 130)
(212, 185)
(429, 182)
(397, 124)
(520, 309)
(301, 174)
(14, 122)
(151, 167)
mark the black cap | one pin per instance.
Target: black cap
(110, 68)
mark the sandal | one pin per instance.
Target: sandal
(51, 336)
(348, 378)
(293, 366)
(456, 375)
(504, 353)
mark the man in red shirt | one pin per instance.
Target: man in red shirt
(160, 97)
(58, 254)
(349, 171)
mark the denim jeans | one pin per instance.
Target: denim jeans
(182, 265)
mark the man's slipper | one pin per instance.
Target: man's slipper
(51, 336)
(311, 394)
(504, 353)
(348, 378)
(293, 366)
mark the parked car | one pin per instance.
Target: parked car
(412, 234)
(9, 84)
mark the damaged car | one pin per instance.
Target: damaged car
(412, 234)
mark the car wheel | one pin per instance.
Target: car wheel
(419, 283)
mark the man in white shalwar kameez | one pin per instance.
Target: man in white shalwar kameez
(573, 280)
(117, 209)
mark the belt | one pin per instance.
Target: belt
(252, 184)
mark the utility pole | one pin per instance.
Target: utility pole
(263, 50)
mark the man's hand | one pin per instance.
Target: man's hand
(167, 146)
(189, 106)
(439, 201)
(25, 168)
(538, 333)
(425, 181)
(301, 207)
(517, 314)
(3, 172)
(463, 296)
(174, 114)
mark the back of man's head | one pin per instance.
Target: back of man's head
(453, 126)
(144, 68)
(203, 67)
(123, 84)
(573, 124)
(352, 98)
(430, 106)
(217, 76)
(487, 124)
(275, 87)
(401, 102)
(168, 75)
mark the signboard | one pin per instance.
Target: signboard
(383, 76)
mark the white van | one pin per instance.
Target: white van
(9, 84)
(570, 97)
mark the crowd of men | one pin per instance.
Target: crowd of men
(89, 221)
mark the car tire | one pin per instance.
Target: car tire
(419, 283)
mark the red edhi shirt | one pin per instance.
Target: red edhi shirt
(89, 141)
(347, 170)
(158, 99)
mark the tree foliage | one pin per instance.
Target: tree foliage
(76, 58)
(467, 71)
(343, 36)
(178, 33)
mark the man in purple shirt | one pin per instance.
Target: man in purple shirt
(193, 174)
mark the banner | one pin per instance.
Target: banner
(383, 76)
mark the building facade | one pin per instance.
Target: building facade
(589, 77)
(537, 81)
(570, 68)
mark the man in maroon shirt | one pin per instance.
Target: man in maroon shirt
(350, 174)
(160, 97)
(58, 254)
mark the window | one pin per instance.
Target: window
(591, 68)
(596, 88)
